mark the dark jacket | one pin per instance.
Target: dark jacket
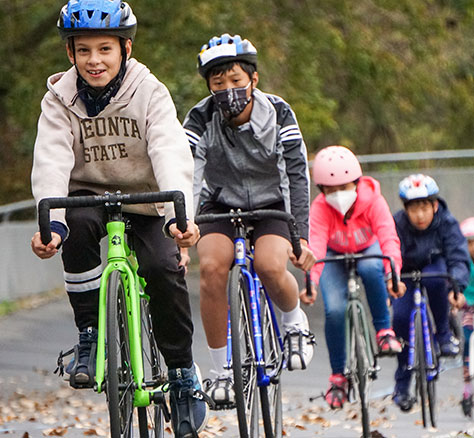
(257, 164)
(443, 238)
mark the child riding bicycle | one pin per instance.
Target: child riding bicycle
(108, 124)
(350, 216)
(248, 148)
(467, 229)
(431, 241)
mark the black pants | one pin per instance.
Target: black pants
(158, 259)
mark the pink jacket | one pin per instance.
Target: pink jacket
(370, 221)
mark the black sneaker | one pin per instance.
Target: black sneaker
(466, 404)
(450, 347)
(81, 368)
(403, 400)
(189, 409)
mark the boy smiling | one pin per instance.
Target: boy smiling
(108, 124)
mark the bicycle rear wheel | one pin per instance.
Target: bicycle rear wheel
(270, 396)
(243, 355)
(150, 418)
(119, 379)
(361, 367)
(420, 367)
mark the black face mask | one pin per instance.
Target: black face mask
(232, 101)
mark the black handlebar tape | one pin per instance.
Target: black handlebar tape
(342, 257)
(308, 284)
(45, 205)
(257, 215)
(394, 275)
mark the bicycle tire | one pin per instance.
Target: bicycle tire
(119, 378)
(471, 355)
(151, 421)
(270, 396)
(243, 355)
(431, 383)
(362, 369)
(420, 367)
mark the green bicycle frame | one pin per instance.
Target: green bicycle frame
(365, 330)
(118, 260)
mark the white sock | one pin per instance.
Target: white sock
(293, 316)
(219, 361)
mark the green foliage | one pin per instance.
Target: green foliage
(376, 75)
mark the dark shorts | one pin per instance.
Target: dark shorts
(260, 228)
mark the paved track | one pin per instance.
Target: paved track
(35, 403)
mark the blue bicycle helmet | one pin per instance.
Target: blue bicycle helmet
(418, 186)
(86, 17)
(223, 49)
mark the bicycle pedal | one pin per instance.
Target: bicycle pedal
(222, 406)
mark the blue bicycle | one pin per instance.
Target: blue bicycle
(254, 341)
(422, 350)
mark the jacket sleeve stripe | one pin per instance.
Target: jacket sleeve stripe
(292, 137)
(192, 136)
(289, 128)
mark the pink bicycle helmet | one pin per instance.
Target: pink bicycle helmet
(467, 228)
(335, 165)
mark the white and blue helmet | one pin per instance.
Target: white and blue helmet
(417, 186)
(89, 17)
(224, 49)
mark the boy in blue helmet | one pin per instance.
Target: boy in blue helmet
(431, 241)
(249, 150)
(108, 124)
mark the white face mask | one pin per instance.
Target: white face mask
(342, 200)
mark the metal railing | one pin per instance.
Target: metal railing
(7, 210)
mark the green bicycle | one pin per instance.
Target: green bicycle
(128, 367)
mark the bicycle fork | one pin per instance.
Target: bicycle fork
(420, 308)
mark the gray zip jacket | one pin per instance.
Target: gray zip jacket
(136, 144)
(254, 165)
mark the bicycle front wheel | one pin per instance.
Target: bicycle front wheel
(119, 378)
(270, 396)
(360, 372)
(150, 418)
(432, 372)
(420, 367)
(243, 355)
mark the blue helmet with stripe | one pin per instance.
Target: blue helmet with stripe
(224, 49)
(89, 17)
(418, 186)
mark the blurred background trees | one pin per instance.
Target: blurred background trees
(375, 75)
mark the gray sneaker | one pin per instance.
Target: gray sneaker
(221, 391)
(299, 344)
